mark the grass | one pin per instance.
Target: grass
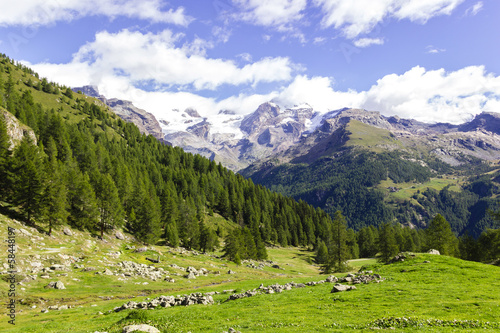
(443, 295)
(407, 190)
(372, 138)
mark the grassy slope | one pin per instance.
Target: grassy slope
(446, 288)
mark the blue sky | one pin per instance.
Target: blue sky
(433, 60)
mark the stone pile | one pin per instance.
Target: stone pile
(361, 278)
(131, 269)
(401, 257)
(193, 273)
(168, 301)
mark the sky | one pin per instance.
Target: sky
(430, 60)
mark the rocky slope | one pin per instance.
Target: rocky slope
(301, 133)
(145, 121)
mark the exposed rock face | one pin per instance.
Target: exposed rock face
(145, 121)
(15, 129)
(302, 135)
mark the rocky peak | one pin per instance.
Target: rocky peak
(486, 121)
(260, 117)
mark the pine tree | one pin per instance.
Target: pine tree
(171, 234)
(28, 178)
(108, 202)
(387, 245)
(54, 201)
(440, 236)
(84, 213)
(338, 252)
(321, 253)
(232, 246)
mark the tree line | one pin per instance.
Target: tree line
(388, 240)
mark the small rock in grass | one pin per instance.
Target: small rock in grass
(140, 328)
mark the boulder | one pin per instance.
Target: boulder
(56, 285)
(67, 231)
(191, 275)
(119, 235)
(433, 251)
(141, 249)
(342, 287)
(140, 328)
(231, 272)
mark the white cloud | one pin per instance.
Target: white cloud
(365, 42)
(277, 13)
(435, 95)
(473, 10)
(44, 12)
(434, 50)
(319, 93)
(156, 58)
(319, 40)
(360, 17)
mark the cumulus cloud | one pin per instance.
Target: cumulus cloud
(277, 13)
(435, 95)
(365, 42)
(45, 12)
(360, 17)
(157, 59)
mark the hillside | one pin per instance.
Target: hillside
(435, 293)
(93, 171)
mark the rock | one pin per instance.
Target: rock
(427, 262)
(140, 328)
(55, 285)
(57, 267)
(331, 278)
(141, 249)
(231, 272)
(433, 251)
(119, 235)
(67, 231)
(342, 287)
(107, 272)
(191, 275)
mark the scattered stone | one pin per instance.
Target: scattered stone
(141, 249)
(433, 251)
(140, 328)
(67, 231)
(107, 272)
(231, 272)
(331, 279)
(232, 330)
(119, 235)
(427, 262)
(191, 275)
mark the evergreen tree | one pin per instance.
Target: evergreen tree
(232, 247)
(27, 178)
(171, 234)
(321, 253)
(84, 212)
(108, 202)
(387, 245)
(338, 252)
(440, 236)
(54, 201)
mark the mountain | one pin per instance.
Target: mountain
(286, 133)
(145, 121)
(378, 169)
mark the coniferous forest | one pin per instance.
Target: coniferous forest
(87, 168)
